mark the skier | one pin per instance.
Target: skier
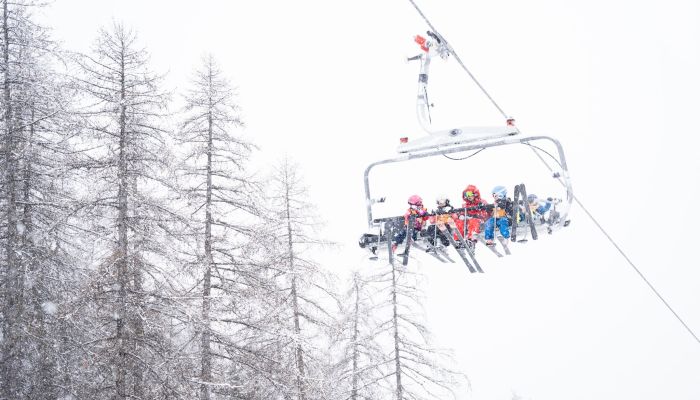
(415, 208)
(442, 222)
(539, 207)
(502, 209)
(476, 214)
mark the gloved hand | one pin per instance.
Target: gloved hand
(487, 207)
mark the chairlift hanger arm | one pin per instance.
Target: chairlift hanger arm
(446, 46)
(429, 48)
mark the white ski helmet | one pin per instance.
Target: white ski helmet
(442, 201)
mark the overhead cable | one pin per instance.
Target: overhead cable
(612, 241)
(459, 60)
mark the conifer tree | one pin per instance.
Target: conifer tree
(305, 299)
(221, 195)
(35, 203)
(134, 297)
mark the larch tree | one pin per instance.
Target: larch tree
(305, 302)
(222, 198)
(132, 296)
(416, 369)
(363, 359)
(36, 203)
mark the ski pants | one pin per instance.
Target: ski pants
(434, 233)
(400, 236)
(473, 228)
(502, 226)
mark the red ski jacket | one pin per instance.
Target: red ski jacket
(481, 214)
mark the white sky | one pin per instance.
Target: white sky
(615, 81)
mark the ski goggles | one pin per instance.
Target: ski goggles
(469, 194)
(415, 206)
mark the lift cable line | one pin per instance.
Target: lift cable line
(459, 60)
(653, 289)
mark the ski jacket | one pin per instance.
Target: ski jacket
(421, 216)
(481, 213)
(443, 218)
(503, 208)
(540, 206)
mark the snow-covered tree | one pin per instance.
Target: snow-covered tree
(133, 296)
(363, 359)
(305, 303)
(221, 195)
(416, 369)
(35, 202)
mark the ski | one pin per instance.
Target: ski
(492, 248)
(389, 229)
(504, 243)
(439, 250)
(444, 254)
(410, 228)
(433, 251)
(520, 197)
(374, 256)
(468, 249)
(461, 253)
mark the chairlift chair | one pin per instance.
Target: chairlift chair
(461, 139)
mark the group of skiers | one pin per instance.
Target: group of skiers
(476, 211)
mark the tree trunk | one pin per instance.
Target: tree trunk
(122, 243)
(395, 319)
(301, 385)
(209, 260)
(44, 387)
(355, 334)
(139, 307)
(11, 345)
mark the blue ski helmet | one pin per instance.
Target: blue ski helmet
(531, 198)
(500, 192)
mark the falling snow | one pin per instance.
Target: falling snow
(49, 307)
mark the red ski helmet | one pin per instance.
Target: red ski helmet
(415, 200)
(471, 191)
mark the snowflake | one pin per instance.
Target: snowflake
(49, 307)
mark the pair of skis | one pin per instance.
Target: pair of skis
(520, 195)
(494, 250)
(465, 252)
(436, 251)
(389, 232)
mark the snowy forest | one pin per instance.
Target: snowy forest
(143, 257)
